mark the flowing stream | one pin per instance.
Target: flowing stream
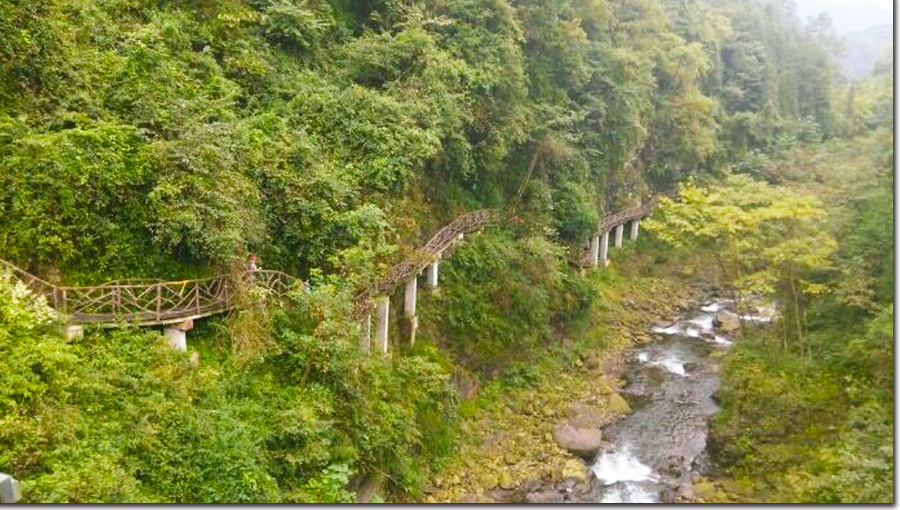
(660, 446)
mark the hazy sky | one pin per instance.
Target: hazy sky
(850, 15)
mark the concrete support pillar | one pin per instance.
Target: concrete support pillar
(619, 231)
(383, 304)
(412, 323)
(9, 489)
(431, 275)
(595, 250)
(177, 338)
(365, 337)
(635, 226)
(177, 334)
(409, 309)
(409, 302)
(604, 248)
(74, 331)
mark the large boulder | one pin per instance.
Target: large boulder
(582, 442)
(728, 321)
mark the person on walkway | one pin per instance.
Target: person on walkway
(252, 265)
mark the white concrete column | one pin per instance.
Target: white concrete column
(409, 309)
(9, 489)
(365, 337)
(431, 275)
(413, 326)
(619, 231)
(177, 338)
(595, 250)
(177, 334)
(635, 226)
(409, 302)
(604, 248)
(74, 331)
(384, 315)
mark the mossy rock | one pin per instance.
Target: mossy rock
(506, 481)
(617, 404)
(704, 490)
(488, 481)
(574, 469)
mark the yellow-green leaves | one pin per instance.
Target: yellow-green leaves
(766, 239)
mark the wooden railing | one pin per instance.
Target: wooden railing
(162, 302)
(612, 221)
(414, 264)
(154, 302)
(632, 213)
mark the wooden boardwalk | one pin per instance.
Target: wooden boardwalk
(151, 303)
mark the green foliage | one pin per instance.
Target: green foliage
(818, 428)
(765, 240)
(151, 139)
(135, 421)
(811, 429)
(497, 300)
(576, 217)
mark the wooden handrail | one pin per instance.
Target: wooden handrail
(149, 304)
(156, 302)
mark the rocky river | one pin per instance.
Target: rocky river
(657, 451)
(576, 439)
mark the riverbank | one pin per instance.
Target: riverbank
(507, 451)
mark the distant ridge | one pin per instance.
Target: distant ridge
(863, 48)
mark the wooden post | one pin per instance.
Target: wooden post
(595, 250)
(635, 225)
(619, 231)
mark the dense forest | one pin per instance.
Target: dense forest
(148, 139)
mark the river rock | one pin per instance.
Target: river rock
(488, 481)
(584, 416)
(506, 481)
(574, 470)
(728, 321)
(604, 387)
(544, 498)
(663, 323)
(617, 404)
(477, 498)
(582, 442)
